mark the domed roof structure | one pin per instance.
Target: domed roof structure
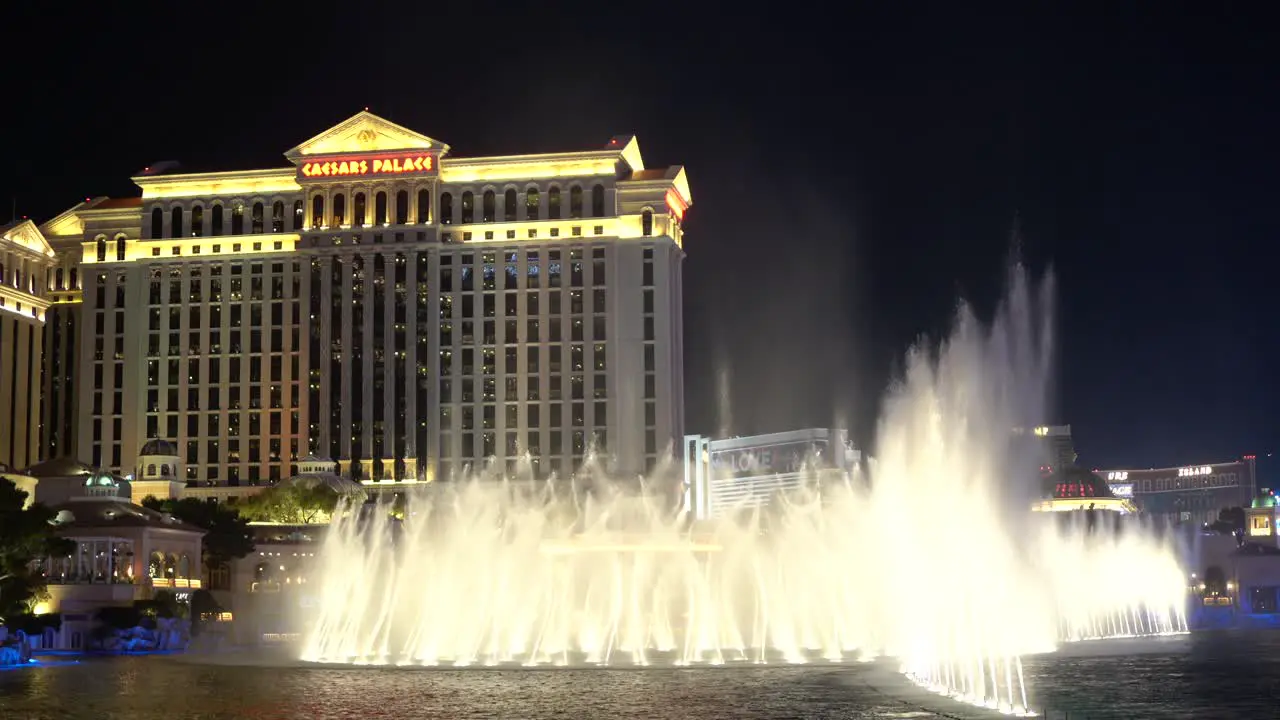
(1264, 501)
(60, 467)
(158, 447)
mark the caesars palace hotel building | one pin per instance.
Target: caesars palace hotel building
(377, 302)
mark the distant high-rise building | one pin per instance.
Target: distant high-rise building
(1052, 447)
(376, 301)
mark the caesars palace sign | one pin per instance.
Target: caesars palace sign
(369, 165)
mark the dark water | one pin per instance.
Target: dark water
(1212, 675)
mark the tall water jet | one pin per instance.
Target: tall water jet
(931, 558)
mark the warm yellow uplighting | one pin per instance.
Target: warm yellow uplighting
(28, 237)
(528, 167)
(243, 182)
(197, 247)
(43, 607)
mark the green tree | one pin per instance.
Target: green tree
(25, 535)
(292, 504)
(227, 535)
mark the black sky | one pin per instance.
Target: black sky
(881, 152)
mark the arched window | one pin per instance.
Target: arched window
(357, 210)
(468, 207)
(402, 207)
(164, 470)
(488, 210)
(75, 280)
(646, 222)
(339, 209)
(102, 248)
(57, 281)
(257, 219)
(509, 205)
(157, 223)
(277, 217)
(237, 219)
(317, 211)
(215, 221)
(532, 203)
(553, 204)
(380, 208)
(175, 223)
(151, 470)
(297, 215)
(446, 208)
(120, 248)
(597, 201)
(575, 201)
(424, 205)
(184, 566)
(197, 221)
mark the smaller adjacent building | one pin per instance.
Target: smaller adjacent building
(1187, 494)
(745, 472)
(123, 552)
(1074, 489)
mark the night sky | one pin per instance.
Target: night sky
(853, 174)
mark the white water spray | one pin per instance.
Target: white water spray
(933, 559)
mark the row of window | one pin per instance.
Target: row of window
(183, 224)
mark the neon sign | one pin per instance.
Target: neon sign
(1122, 490)
(1118, 475)
(358, 166)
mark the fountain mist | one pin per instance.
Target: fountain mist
(932, 558)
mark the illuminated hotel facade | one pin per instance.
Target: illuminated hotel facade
(378, 302)
(1194, 493)
(25, 259)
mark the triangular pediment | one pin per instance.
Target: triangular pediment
(365, 132)
(25, 234)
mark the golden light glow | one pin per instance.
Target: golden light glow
(363, 132)
(1260, 525)
(676, 204)
(13, 298)
(245, 182)
(1120, 505)
(27, 236)
(42, 608)
(527, 167)
(541, 228)
(194, 247)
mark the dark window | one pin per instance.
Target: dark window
(380, 208)
(532, 201)
(257, 218)
(317, 211)
(237, 219)
(575, 202)
(157, 223)
(402, 207)
(339, 209)
(102, 250)
(277, 217)
(424, 205)
(488, 210)
(446, 209)
(297, 215)
(175, 222)
(121, 241)
(358, 210)
(646, 222)
(597, 201)
(553, 204)
(216, 224)
(509, 205)
(197, 221)
(468, 207)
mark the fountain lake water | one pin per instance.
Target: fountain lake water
(932, 558)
